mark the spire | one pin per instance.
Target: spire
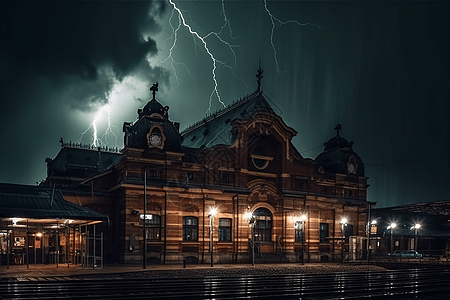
(259, 75)
(154, 89)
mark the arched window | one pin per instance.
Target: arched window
(190, 229)
(263, 225)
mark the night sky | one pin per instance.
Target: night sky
(379, 68)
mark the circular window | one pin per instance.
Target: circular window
(259, 158)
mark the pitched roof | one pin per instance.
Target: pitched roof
(25, 201)
(216, 128)
(72, 158)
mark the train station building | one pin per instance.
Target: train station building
(422, 227)
(228, 189)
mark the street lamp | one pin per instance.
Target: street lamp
(251, 221)
(211, 215)
(343, 224)
(416, 229)
(372, 223)
(301, 223)
(391, 227)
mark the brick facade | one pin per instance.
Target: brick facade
(237, 160)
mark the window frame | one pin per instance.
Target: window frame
(263, 225)
(190, 230)
(324, 233)
(348, 232)
(225, 230)
(298, 234)
(152, 228)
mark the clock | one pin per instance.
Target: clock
(155, 140)
(352, 166)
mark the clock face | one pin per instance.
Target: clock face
(351, 168)
(155, 140)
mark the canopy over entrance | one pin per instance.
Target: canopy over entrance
(38, 225)
(33, 202)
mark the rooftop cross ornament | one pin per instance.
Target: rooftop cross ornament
(337, 128)
(259, 76)
(154, 89)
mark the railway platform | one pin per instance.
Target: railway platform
(66, 270)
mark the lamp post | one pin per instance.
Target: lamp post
(251, 221)
(372, 223)
(211, 215)
(416, 229)
(144, 227)
(303, 219)
(302, 222)
(343, 224)
(391, 227)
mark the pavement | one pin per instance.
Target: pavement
(175, 270)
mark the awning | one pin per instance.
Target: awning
(33, 202)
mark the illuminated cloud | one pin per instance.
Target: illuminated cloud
(84, 46)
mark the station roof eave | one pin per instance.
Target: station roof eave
(33, 202)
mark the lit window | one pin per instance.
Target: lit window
(153, 228)
(190, 228)
(263, 225)
(298, 232)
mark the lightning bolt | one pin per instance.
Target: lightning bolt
(175, 39)
(274, 19)
(177, 21)
(202, 39)
(104, 113)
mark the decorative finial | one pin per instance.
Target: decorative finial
(259, 75)
(154, 89)
(337, 128)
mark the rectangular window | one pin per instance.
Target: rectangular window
(224, 230)
(152, 226)
(190, 229)
(225, 178)
(348, 230)
(263, 228)
(324, 233)
(189, 177)
(300, 185)
(298, 232)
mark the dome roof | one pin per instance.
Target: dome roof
(339, 157)
(153, 120)
(152, 107)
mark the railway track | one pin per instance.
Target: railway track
(395, 284)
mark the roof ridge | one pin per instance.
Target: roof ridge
(221, 111)
(91, 147)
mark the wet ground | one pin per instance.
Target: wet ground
(21, 272)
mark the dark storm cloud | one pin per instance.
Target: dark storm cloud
(61, 56)
(82, 45)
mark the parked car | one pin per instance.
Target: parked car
(406, 254)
